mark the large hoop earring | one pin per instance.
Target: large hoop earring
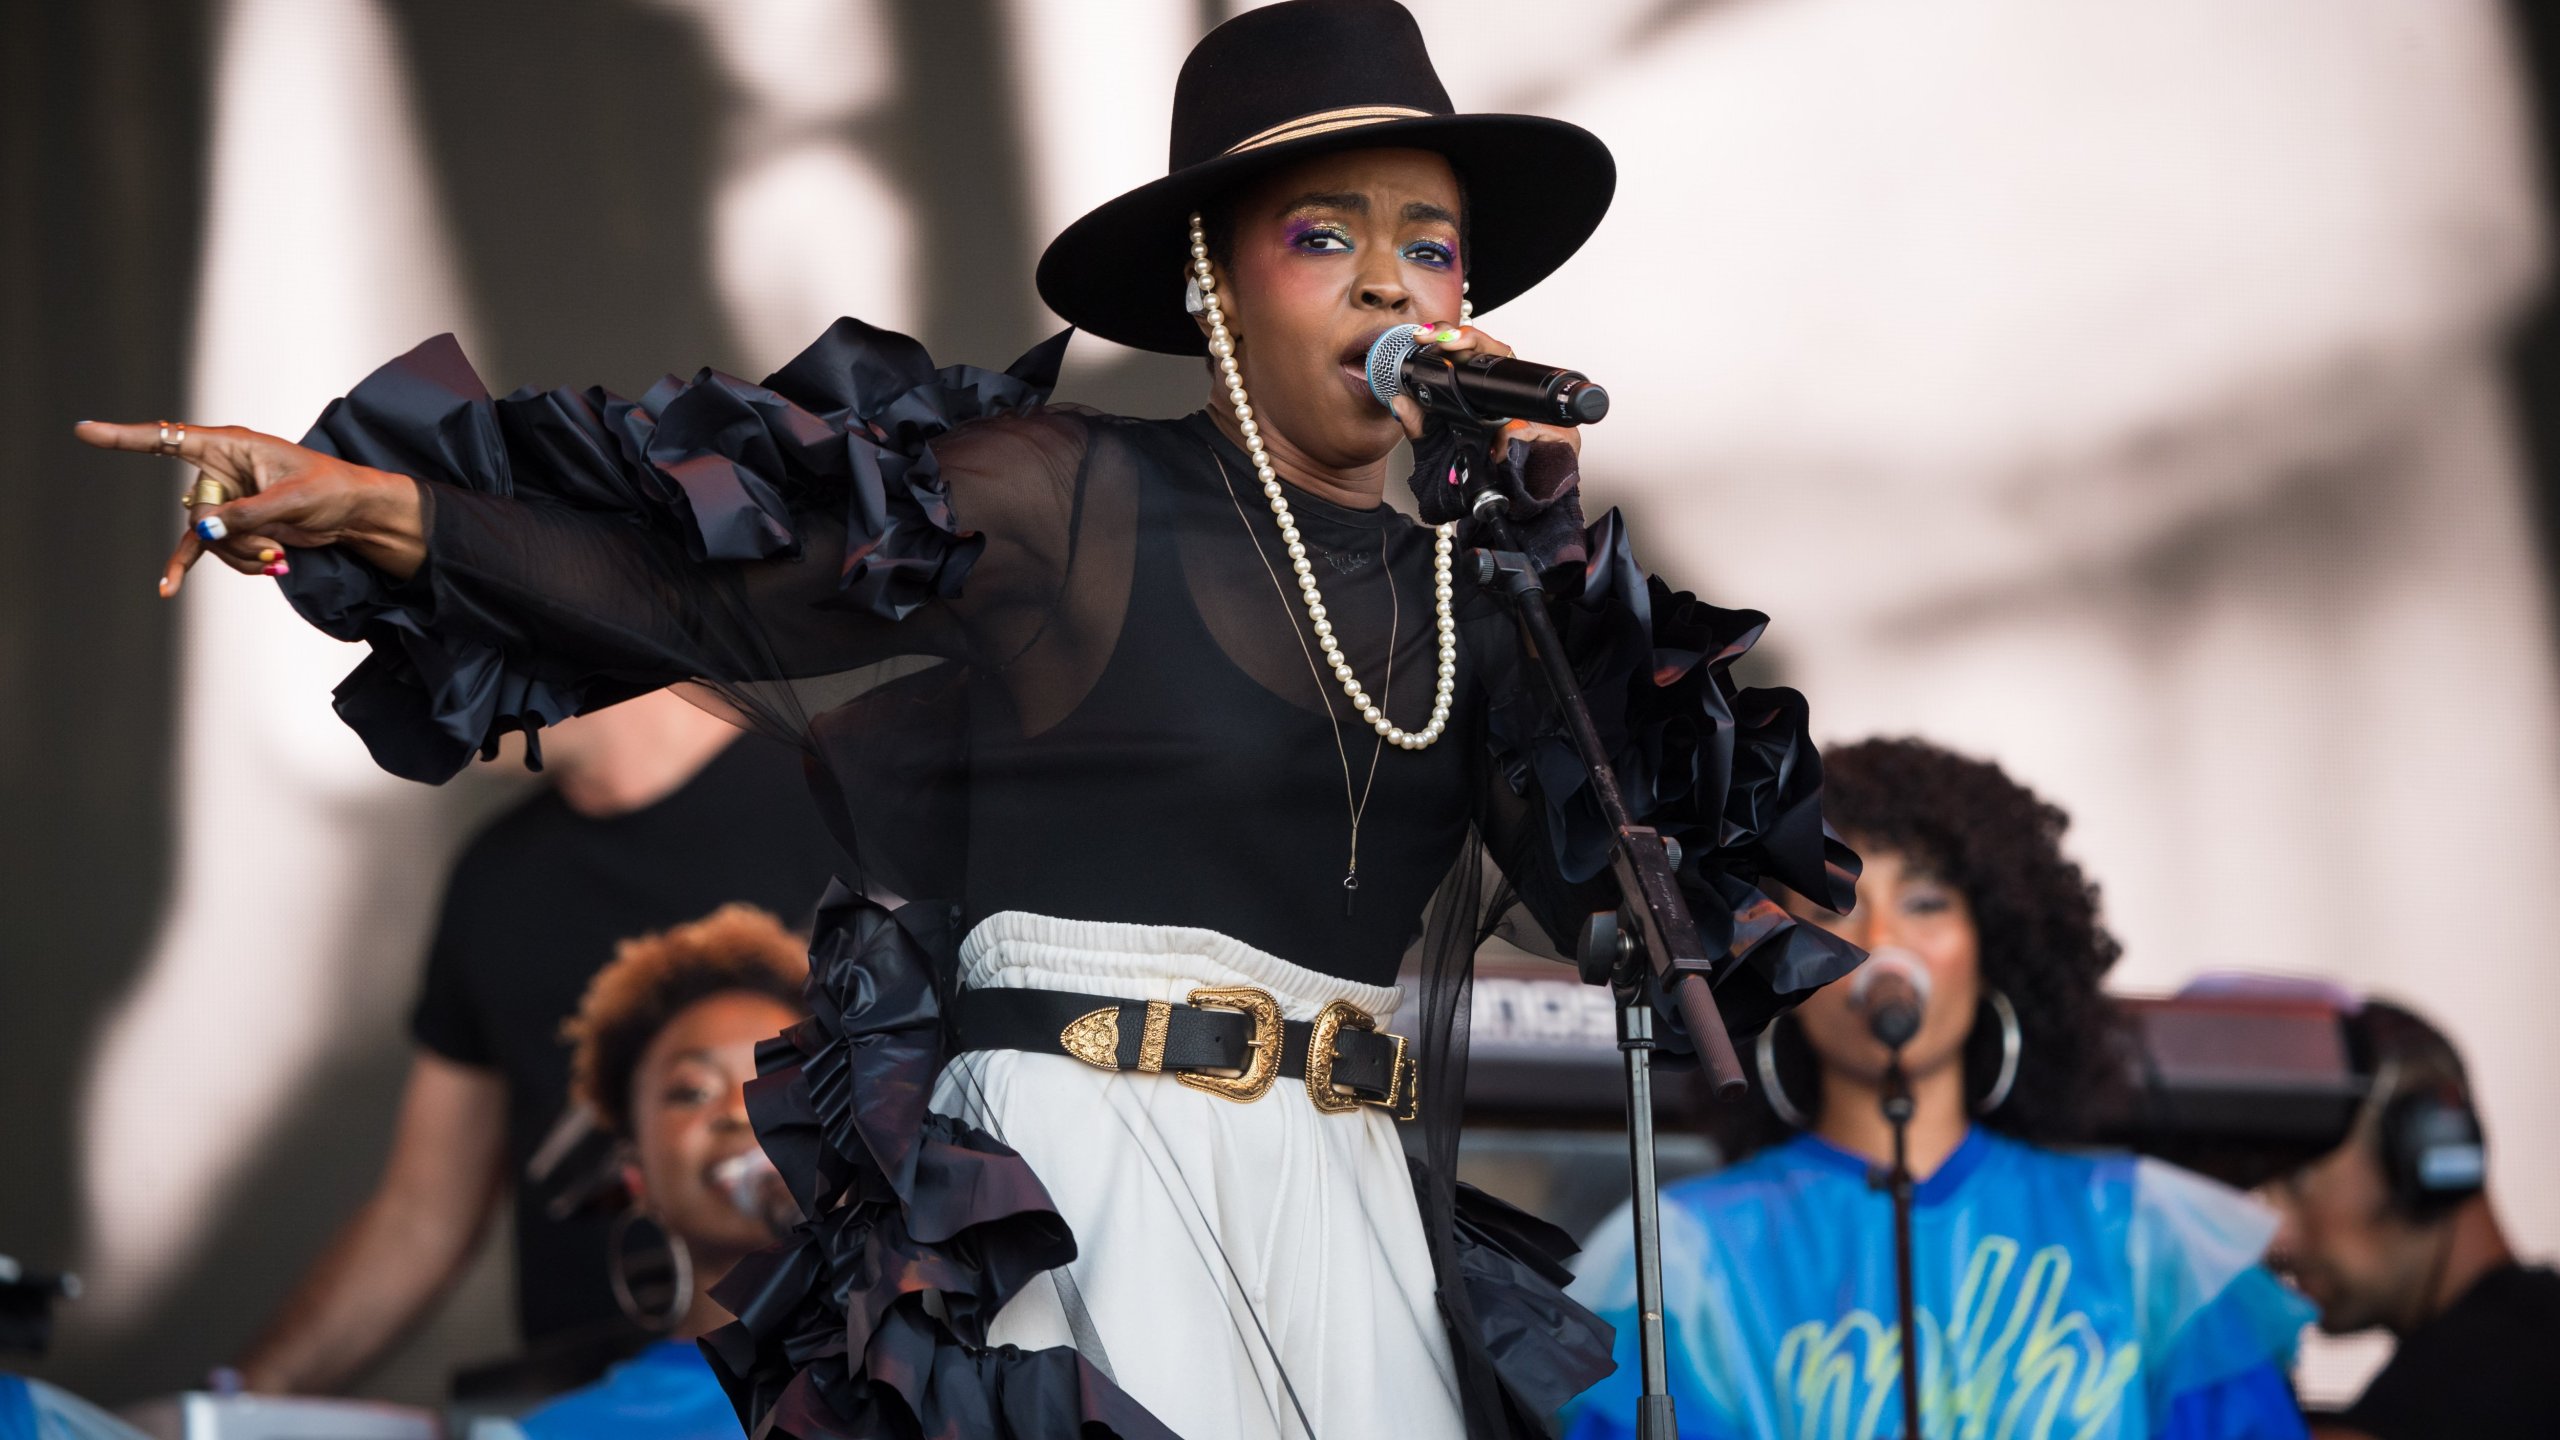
(680, 1276)
(2013, 1043)
(1764, 1058)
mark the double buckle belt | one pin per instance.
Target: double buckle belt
(1230, 1042)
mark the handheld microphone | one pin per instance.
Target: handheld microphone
(1892, 992)
(1482, 388)
(749, 1182)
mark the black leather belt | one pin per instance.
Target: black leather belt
(1344, 1059)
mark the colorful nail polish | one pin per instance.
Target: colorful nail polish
(268, 555)
(1448, 335)
(210, 528)
(279, 568)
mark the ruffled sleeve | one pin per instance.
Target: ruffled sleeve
(1544, 1347)
(583, 547)
(2218, 1330)
(871, 1319)
(1728, 773)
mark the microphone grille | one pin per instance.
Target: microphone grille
(1386, 361)
(1896, 961)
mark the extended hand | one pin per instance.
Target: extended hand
(287, 497)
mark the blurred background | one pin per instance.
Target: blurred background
(2159, 398)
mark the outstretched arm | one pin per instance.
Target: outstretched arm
(402, 1250)
(513, 562)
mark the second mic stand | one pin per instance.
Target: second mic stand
(1648, 946)
(1897, 1106)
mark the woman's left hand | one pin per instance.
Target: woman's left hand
(1458, 342)
(1538, 467)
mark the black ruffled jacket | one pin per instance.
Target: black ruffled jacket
(799, 547)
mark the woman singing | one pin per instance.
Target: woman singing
(2057, 1293)
(1157, 746)
(665, 1043)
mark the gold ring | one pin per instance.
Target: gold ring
(208, 490)
(171, 437)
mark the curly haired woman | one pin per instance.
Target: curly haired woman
(2058, 1292)
(666, 1040)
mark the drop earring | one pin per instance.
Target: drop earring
(629, 1280)
(1193, 301)
(1466, 307)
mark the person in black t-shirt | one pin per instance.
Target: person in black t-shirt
(2395, 1229)
(658, 813)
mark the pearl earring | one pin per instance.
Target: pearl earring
(1192, 302)
(1466, 307)
(1222, 345)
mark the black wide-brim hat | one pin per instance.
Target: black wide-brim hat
(1310, 77)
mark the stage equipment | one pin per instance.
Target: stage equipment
(209, 1415)
(2433, 1155)
(2244, 1087)
(748, 1181)
(1892, 991)
(26, 1306)
(1481, 390)
(1648, 946)
(578, 1168)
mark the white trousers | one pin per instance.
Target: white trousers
(1245, 1271)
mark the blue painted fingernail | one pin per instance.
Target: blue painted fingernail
(210, 529)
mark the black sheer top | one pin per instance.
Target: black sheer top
(1120, 720)
(1052, 661)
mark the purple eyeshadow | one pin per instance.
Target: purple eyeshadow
(1301, 229)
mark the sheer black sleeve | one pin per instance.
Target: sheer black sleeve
(583, 548)
(1727, 772)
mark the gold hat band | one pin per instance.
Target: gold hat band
(1324, 121)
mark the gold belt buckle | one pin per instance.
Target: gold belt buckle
(1264, 1067)
(1325, 1035)
(1404, 1091)
(1321, 1040)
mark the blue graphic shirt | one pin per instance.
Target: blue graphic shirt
(2058, 1297)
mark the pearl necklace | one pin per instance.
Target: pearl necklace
(1222, 345)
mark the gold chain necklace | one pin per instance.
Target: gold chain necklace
(1333, 722)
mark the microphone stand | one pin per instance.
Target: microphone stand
(1648, 946)
(1897, 1106)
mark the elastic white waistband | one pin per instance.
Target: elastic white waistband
(1016, 950)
